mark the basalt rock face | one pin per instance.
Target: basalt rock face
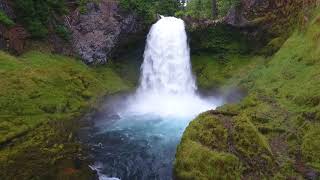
(5, 6)
(264, 25)
(269, 22)
(96, 33)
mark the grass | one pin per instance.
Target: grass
(276, 131)
(40, 96)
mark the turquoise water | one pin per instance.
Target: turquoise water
(135, 147)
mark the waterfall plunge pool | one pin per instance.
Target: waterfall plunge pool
(133, 146)
(135, 138)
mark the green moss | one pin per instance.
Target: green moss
(37, 87)
(273, 46)
(214, 71)
(222, 147)
(203, 153)
(40, 95)
(277, 120)
(208, 131)
(195, 161)
(252, 147)
(311, 148)
(219, 39)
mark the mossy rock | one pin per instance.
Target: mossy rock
(40, 96)
(223, 146)
(251, 146)
(311, 147)
(195, 161)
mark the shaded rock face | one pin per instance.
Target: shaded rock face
(16, 38)
(5, 6)
(12, 38)
(276, 17)
(268, 23)
(97, 32)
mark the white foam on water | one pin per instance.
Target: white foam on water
(167, 95)
(167, 85)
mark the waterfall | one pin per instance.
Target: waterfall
(167, 86)
(166, 67)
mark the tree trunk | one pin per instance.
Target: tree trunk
(214, 8)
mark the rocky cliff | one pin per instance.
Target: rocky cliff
(261, 26)
(98, 31)
(95, 31)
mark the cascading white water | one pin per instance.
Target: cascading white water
(167, 86)
(166, 67)
(140, 143)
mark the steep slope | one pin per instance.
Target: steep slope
(274, 131)
(41, 94)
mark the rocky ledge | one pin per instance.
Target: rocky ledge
(97, 31)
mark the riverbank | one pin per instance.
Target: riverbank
(42, 95)
(271, 133)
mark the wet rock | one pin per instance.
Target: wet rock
(97, 32)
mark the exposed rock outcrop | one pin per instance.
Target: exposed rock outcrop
(262, 25)
(270, 22)
(12, 38)
(5, 6)
(97, 32)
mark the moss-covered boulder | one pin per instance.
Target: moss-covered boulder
(219, 145)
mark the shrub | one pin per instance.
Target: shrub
(4, 19)
(148, 10)
(37, 15)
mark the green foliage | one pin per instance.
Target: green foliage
(199, 9)
(37, 88)
(279, 118)
(219, 39)
(202, 9)
(63, 32)
(38, 15)
(149, 9)
(215, 71)
(82, 5)
(4, 19)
